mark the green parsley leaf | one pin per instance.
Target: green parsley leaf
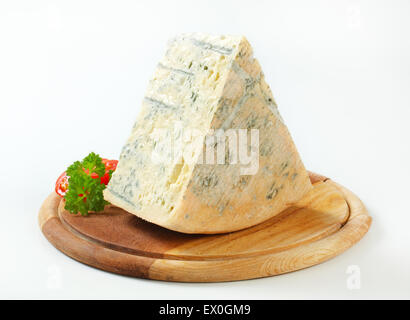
(85, 193)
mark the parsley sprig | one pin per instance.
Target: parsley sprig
(85, 191)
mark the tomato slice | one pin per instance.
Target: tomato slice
(62, 181)
(110, 164)
(62, 184)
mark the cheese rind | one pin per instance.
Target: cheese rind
(205, 84)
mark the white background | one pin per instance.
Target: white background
(73, 74)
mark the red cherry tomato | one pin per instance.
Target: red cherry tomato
(62, 181)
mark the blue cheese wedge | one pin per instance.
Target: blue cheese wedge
(185, 166)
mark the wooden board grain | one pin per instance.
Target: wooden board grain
(323, 224)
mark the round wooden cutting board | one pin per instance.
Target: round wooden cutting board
(326, 222)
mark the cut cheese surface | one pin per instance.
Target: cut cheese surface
(209, 152)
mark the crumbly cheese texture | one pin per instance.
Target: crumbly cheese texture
(203, 84)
